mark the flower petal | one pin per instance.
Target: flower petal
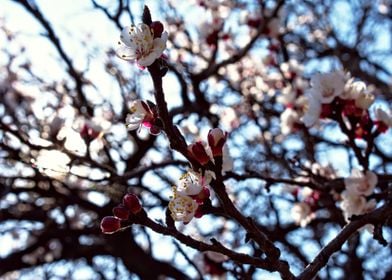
(127, 36)
(126, 53)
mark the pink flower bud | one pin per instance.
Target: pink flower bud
(121, 212)
(110, 224)
(88, 133)
(199, 153)
(132, 202)
(216, 140)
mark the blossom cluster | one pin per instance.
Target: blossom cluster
(193, 187)
(358, 187)
(304, 210)
(292, 97)
(190, 193)
(214, 151)
(333, 94)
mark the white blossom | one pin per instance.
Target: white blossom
(216, 257)
(313, 111)
(53, 163)
(288, 119)
(137, 43)
(360, 183)
(302, 213)
(352, 89)
(192, 183)
(139, 112)
(364, 100)
(288, 96)
(326, 171)
(325, 87)
(355, 205)
(182, 208)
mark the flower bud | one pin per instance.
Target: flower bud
(199, 153)
(121, 212)
(110, 224)
(132, 202)
(157, 28)
(89, 133)
(216, 140)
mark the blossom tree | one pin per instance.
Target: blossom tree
(213, 139)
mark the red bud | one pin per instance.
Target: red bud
(88, 133)
(157, 28)
(132, 202)
(110, 224)
(121, 212)
(216, 140)
(199, 153)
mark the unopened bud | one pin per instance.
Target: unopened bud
(121, 212)
(216, 140)
(132, 202)
(157, 28)
(110, 224)
(89, 133)
(199, 153)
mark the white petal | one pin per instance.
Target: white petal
(126, 53)
(313, 113)
(147, 60)
(134, 120)
(127, 35)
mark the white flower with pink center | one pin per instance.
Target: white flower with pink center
(139, 111)
(144, 114)
(192, 183)
(138, 43)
